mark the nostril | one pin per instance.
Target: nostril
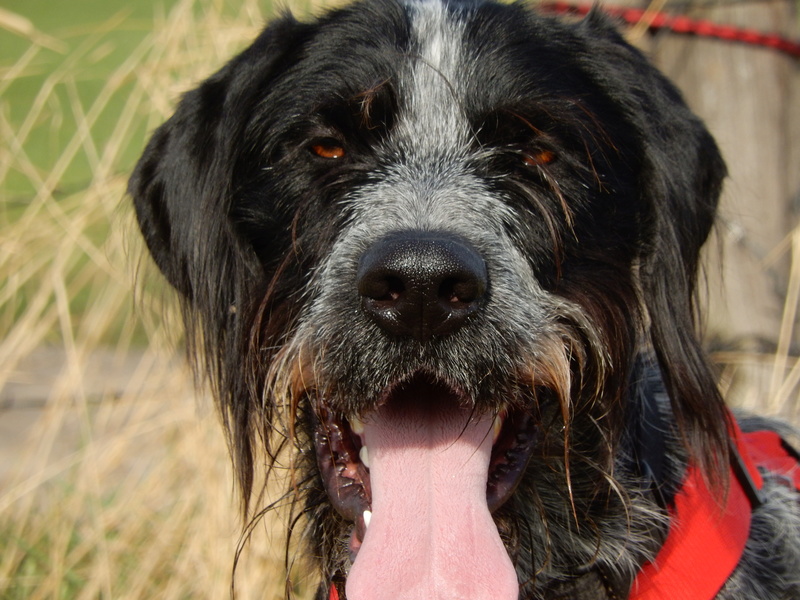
(461, 292)
(395, 289)
(381, 287)
(421, 284)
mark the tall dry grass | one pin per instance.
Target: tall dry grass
(120, 485)
(768, 381)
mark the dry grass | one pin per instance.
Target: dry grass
(122, 489)
(768, 382)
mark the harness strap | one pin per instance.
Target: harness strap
(708, 533)
(770, 451)
(334, 593)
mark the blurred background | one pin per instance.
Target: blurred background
(114, 476)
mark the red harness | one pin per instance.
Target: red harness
(708, 533)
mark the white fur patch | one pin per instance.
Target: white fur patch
(434, 120)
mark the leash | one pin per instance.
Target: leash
(657, 20)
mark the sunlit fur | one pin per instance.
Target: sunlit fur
(557, 152)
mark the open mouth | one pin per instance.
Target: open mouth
(419, 476)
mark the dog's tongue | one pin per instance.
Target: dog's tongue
(431, 535)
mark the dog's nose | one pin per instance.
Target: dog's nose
(421, 284)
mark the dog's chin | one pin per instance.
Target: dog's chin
(419, 475)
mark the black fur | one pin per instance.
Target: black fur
(568, 162)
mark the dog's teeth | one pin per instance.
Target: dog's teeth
(497, 425)
(363, 454)
(357, 426)
(367, 516)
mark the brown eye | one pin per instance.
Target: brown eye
(330, 151)
(537, 159)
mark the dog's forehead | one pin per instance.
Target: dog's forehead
(424, 180)
(448, 65)
(434, 85)
(436, 68)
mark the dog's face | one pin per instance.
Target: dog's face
(432, 240)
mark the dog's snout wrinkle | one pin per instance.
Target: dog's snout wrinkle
(420, 284)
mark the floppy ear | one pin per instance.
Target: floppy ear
(181, 185)
(680, 180)
(182, 191)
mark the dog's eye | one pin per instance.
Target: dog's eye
(328, 149)
(538, 158)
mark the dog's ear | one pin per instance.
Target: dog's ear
(679, 182)
(181, 185)
(182, 191)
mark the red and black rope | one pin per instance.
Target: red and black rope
(657, 20)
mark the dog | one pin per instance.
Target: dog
(443, 254)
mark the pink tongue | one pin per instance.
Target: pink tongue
(431, 536)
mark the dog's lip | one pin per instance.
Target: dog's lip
(344, 475)
(342, 456)
(511, 452)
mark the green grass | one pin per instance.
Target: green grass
(70, 113)
(64, 86)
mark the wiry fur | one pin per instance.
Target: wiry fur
(770, 566)
(569, 164)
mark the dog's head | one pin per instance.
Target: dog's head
(430, 241)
